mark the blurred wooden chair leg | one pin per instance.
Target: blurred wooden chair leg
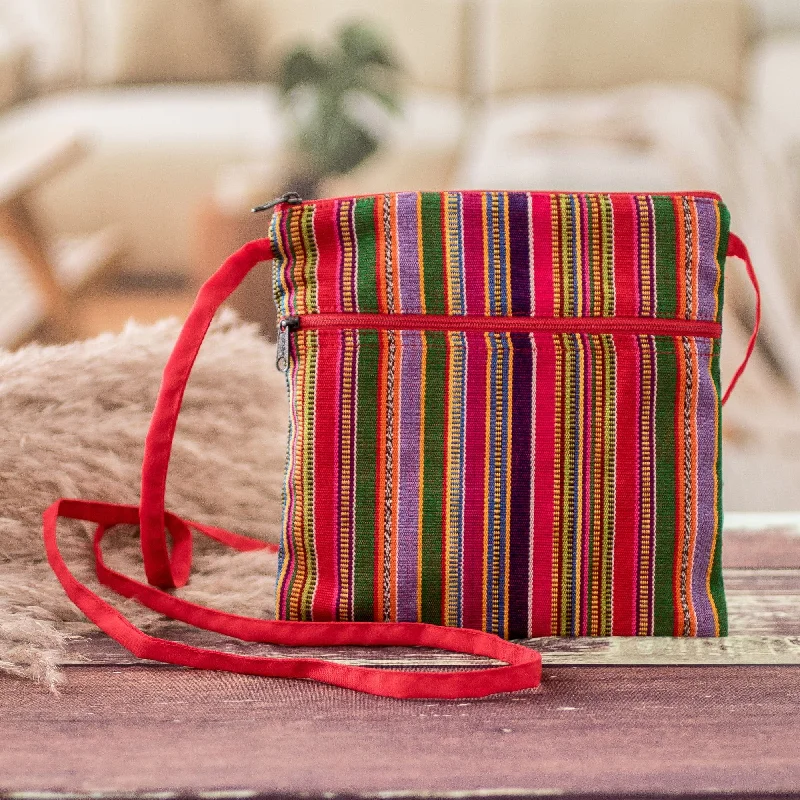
(20, 229)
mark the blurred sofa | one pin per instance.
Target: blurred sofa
(177, 98)
(170, 94)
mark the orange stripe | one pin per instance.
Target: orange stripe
(486, 442)
(395, 256)
(395, 478)
(693, 510)
(695, 259)
(680, 384)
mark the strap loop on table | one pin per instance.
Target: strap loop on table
(522, 669)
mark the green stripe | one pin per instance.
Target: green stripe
(364, 221)
(663, 602)
(364, 466)
(310, 256)
(433, 476)
(666, 270)
(722, 251)
(716, 584)
(717, 587)
(307, 476)
(432, 258)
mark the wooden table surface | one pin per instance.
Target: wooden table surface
(613, 717)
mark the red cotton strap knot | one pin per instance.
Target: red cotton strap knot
(738, 249)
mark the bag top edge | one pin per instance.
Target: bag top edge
(689, 194)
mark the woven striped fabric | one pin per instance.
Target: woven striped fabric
(525, 482)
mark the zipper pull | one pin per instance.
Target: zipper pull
(290, 197)
(285, 327)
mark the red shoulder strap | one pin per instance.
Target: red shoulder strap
(167, 568)
(738, 249)
(159, 568)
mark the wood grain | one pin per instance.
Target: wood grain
(643, 717)
(588, 731)
(761, 541)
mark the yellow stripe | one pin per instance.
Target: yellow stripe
(347, 256)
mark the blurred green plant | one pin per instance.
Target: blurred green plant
(339, 99)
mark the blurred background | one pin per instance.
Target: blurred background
(135, 135)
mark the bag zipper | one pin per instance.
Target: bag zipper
(651, 326)
(293, 198)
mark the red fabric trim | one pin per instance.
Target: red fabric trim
(653, 326)
(738, 249)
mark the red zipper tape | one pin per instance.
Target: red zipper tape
(652, 326)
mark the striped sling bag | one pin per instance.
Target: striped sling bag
(505, 423)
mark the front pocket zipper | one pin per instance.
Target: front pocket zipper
(649, 326)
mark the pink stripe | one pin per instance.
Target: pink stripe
(542, 278)
(583, 210)
(544, 421)
(474, 261)
(626, 501)
(326, 475)
(543, 471)
(474, 480)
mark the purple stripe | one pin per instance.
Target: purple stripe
(408, 249)
(707, 264)
(408, 475)
(519, 237)
(706, 494)
(521, 427)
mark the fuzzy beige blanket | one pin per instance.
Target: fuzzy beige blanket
(72, 424)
